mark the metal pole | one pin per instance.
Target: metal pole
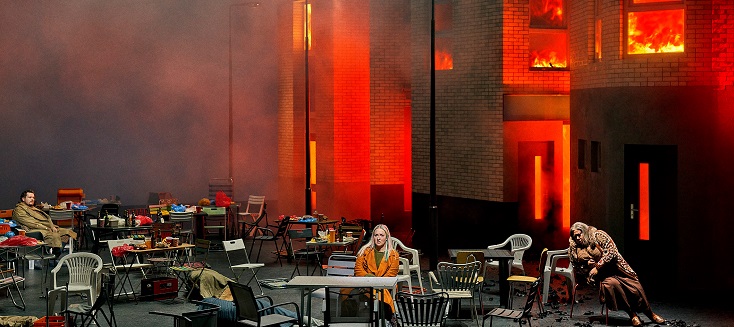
(433, 208)
(308, 111)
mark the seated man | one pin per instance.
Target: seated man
(33, 219)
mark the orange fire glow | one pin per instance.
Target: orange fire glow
(444, 60)
(658, 31)
(547, 58)
(443, 54)
(548, 49)
(546, 13)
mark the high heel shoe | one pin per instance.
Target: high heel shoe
(636, 321)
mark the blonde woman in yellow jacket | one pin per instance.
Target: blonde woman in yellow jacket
(378, 258)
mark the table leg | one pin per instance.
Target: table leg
(504, 273)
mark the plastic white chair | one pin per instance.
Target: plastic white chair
(552, 267)
(518, 244)
(84, 273)
(407, 267)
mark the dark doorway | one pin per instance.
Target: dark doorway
(650, 242)
(538, 209)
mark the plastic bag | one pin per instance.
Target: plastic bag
(144, 220)
(120, 251)
(222, 200)
(20, 240)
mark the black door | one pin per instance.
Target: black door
(650, 214)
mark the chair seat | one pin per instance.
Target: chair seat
(249, 265)
(269, 320)
(133, 266)
(457, 294)
(505, 313)
(521, 279)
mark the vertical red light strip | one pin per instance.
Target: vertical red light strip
(644, 201)
(566, 219)
(313, 161)
(538, 188)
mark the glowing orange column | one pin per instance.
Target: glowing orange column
(644, 201)
(566, 219)
(538, 188)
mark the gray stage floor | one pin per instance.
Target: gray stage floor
(681, 310)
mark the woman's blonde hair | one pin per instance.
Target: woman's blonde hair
(371, 244)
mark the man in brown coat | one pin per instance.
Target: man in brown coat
(33, 219)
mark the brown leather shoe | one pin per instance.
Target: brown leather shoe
(657, 319)
(636, 321)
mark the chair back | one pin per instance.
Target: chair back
(164, 230)
(206, 316)
(341, 265)
(184, 223)
(518, 244)
(472, 256)
(255, 205)
(225, 185)
(244, 302)
(398, 245)
(532, 295)
(83, 267)
(69, 194)
(231, 249)
(64, 218)
(234, 245)
(200, 253)
(109, 208)
(104, 293)
(459, 277)
(543, 261)
(282, 229)
(348, 306)
(422, 310)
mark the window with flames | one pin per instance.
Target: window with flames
(655, 26)
(548, 35)
(444, 50)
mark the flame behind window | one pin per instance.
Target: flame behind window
(546, 13)
(548, 49)
(658, 31)
(444, 54)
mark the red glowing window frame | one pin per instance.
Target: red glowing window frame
(655, 27)
(548, 49)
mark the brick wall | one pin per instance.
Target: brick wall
(705, 62)
(389, 91)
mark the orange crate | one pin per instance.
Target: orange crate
(4, 228)
(53, 321)
(6, 213)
